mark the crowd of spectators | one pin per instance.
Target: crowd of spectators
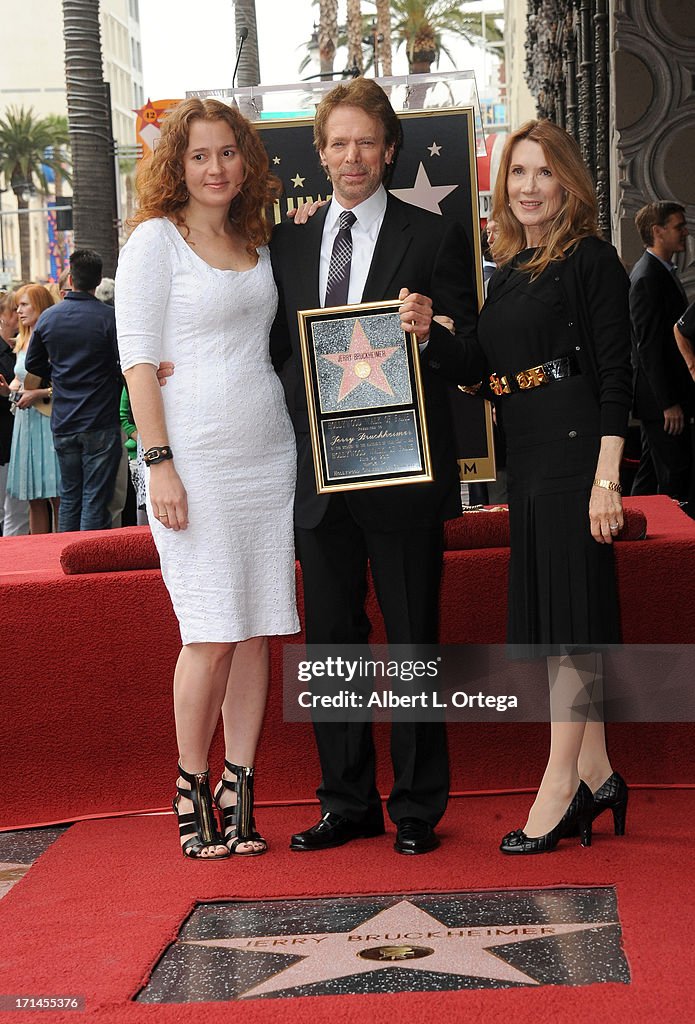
(32, 434)
(64, 453)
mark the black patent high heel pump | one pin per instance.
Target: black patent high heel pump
(613, 794)
(578, 818)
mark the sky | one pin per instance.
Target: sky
(194, 47)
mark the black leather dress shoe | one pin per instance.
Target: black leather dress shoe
(334, 830)
(415, 836)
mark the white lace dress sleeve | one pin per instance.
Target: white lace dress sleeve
(143, 282)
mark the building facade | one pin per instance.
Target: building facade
(34, 76)
(618, 74)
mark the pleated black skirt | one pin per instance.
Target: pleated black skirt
(563, 595)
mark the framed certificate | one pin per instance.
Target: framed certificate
(364, 398)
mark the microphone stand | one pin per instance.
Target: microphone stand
(243, 36)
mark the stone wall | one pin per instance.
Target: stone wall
(653, 114)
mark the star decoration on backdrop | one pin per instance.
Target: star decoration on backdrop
(298, 181)
(401, 936)
(276, 160)
(149, 113)
(434, 149)
(361, 364)
(423, 193)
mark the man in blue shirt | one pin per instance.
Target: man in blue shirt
(74, 345)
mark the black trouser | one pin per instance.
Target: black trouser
(670, 457)
(406, 569)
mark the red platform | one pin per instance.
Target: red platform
(88, 662)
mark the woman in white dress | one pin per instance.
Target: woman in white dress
(195, 288)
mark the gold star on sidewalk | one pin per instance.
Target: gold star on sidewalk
(297, 181)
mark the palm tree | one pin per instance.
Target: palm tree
(249, 72)
(91, 138)
(28, 144)
(420, 25)
(383, 28)
(328, 34)
(354, 35)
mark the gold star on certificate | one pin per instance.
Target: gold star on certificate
(361, 364)
(276, 160)
(423, 193)
(435, 150)
(297, 181)
(401, 936)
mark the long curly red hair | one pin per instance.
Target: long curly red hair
(39, 299)
(162, 189)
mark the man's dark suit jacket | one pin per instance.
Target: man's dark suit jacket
(416, 250)
(7, 361)
(660, 376)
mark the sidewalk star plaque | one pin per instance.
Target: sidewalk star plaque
(393, 942)
(364, 396)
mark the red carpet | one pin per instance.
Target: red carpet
(93, 915)
(88, 701)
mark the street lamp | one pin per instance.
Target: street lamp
(373, 40)
(313, 48)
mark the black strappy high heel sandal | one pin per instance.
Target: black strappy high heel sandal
(200, 825)
(576, 820)
(238, 824)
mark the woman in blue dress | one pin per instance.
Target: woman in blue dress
(33, 475)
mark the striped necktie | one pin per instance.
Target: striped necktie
(341, 256)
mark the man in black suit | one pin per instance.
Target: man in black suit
(401, 252)
(684, 333)
(664, 396)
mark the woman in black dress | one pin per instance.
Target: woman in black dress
(555, 331)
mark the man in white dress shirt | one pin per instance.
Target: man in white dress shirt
(368, 246)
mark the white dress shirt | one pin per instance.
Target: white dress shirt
(365, 231)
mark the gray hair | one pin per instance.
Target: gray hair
(105, 290)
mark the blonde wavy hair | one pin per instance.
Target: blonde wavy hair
(162, 188)
(39, 299)
(577, 218)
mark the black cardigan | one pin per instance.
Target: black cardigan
(597, 287)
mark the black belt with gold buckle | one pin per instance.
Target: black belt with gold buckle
(526, 380)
